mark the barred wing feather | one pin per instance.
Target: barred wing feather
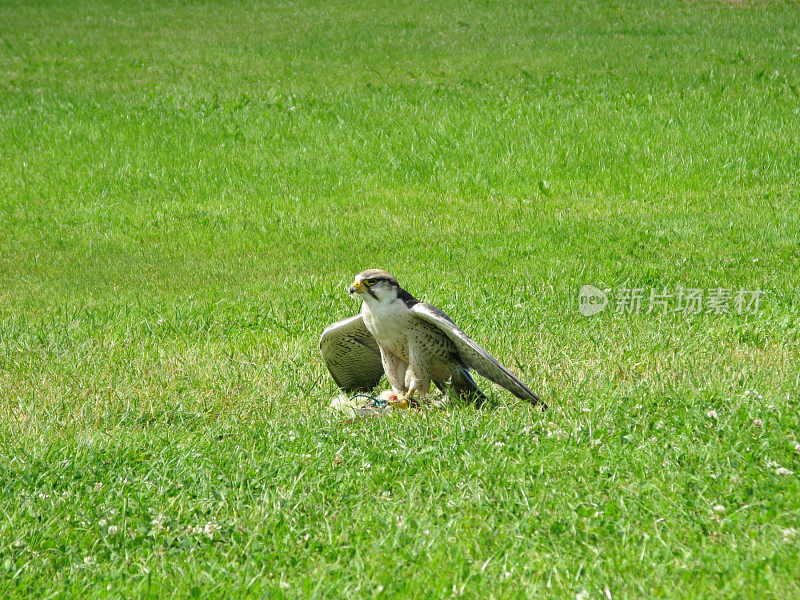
(472, 355)
(351, 355)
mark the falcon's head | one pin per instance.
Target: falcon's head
(374, 285)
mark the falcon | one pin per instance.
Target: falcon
(412, 342)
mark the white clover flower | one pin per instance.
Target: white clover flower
(98, 486)
(112, 529)
(718, 508)
(758, 423)
(210, 529)
(712, 414)
(783, 471)
(499, 444)
(102, 522)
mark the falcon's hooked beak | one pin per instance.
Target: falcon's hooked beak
(357, 288)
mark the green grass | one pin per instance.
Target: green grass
(187, 188)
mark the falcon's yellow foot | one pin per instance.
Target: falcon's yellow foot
(406, 401)
(400, 401)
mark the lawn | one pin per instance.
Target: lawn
(186, 190)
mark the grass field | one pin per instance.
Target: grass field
(186, 189)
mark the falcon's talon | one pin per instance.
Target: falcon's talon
(404, 401)
(411, 342)
(400, 403)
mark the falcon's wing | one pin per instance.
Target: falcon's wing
(351, 355)
(472, 355)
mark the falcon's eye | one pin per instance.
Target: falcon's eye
(369, 282)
